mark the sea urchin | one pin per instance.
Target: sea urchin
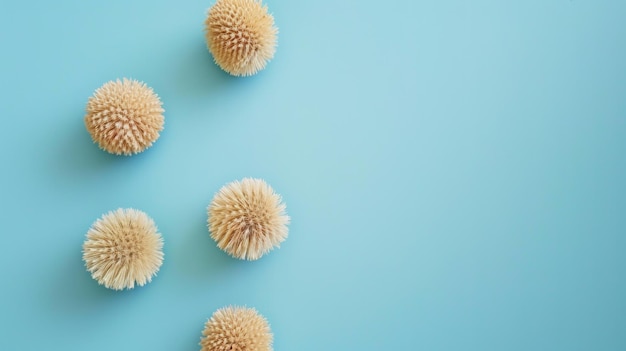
(124, 117)
(241, 36)
(247, 219)
(236, 328)
(123, 248)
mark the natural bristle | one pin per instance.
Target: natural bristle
(123, 248)
(124, 117)
(247, 219)
(236, 329)
(241, 36)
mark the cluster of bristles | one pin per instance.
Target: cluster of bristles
(122, 249)
(247, 219)
(241, 36)
(236, 329)
(124, 117)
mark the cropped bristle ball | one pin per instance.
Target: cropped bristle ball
(123, 248)
(241, 36)
(238, 329)
(124, 117)
(247, 219)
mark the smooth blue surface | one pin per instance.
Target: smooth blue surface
(455, 173)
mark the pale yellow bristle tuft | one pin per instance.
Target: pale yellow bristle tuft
(236, 329)
(123, 248)
(247, 219)
(124, 117)
(241, 36)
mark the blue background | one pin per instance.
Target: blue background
(455, 173)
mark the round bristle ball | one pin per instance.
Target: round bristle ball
(247, 219)
(124, 117)
(123, 248)
(241, 36)
(236, 328)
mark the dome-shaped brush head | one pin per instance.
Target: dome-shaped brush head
(124, 117)
(236, 328)
(123, 248)
(241, 36)
(247, 219)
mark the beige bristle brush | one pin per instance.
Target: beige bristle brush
(241, 35)
(236, 328)
(124, 117)
(123, 248)
(247, 219)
